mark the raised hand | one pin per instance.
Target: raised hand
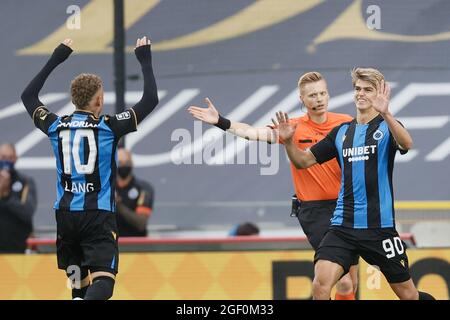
(209, 115)
(143, 52)
(142, 42)
(381, 101)
(68, 43)
(62, 51)
(286, 129)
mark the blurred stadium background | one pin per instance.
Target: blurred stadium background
(245, 55)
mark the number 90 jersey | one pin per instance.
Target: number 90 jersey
(86, 157)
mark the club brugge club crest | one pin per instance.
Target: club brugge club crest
(378, 135)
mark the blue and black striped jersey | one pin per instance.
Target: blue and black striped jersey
(85, 146)
(86, 159)
(365, 153)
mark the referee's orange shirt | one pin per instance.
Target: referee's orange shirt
(319, 182)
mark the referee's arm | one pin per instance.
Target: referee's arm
(249, 132)
(212, 116)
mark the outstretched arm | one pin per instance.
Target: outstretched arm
(149, 98)
(299, 158)
(211, 115)
(30, 96)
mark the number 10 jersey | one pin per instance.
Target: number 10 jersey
(86, 157)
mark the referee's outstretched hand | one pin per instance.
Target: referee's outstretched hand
(285, 128)
(209, 115)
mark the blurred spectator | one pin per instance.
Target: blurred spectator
(17, 203)
(134, 199)
(245, 229)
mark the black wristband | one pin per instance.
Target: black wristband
(223, 123)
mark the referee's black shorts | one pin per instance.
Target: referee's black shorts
(314, 218)
(87, 239)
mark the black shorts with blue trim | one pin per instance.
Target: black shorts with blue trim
(381, 248)
(87, 239)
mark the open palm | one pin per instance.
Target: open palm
(209, 115)
(381, 101)
(286, 129)
(68, 42)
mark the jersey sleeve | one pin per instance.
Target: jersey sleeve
(43, 119)
(325, 150)
(123, 123)
(394, 145)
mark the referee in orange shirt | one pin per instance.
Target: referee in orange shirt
(318, 200)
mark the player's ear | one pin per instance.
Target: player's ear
(99, 100)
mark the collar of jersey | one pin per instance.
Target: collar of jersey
(88, 113)
(378, 118)
(307, 118)
(83, 111)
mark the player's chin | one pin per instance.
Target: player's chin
(363, 105)
(320, 110)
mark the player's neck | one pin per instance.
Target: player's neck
(318, 118)
(365, 116)
(122, 183)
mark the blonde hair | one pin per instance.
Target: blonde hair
(309, 77)
(83, 88)
(371, 75)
